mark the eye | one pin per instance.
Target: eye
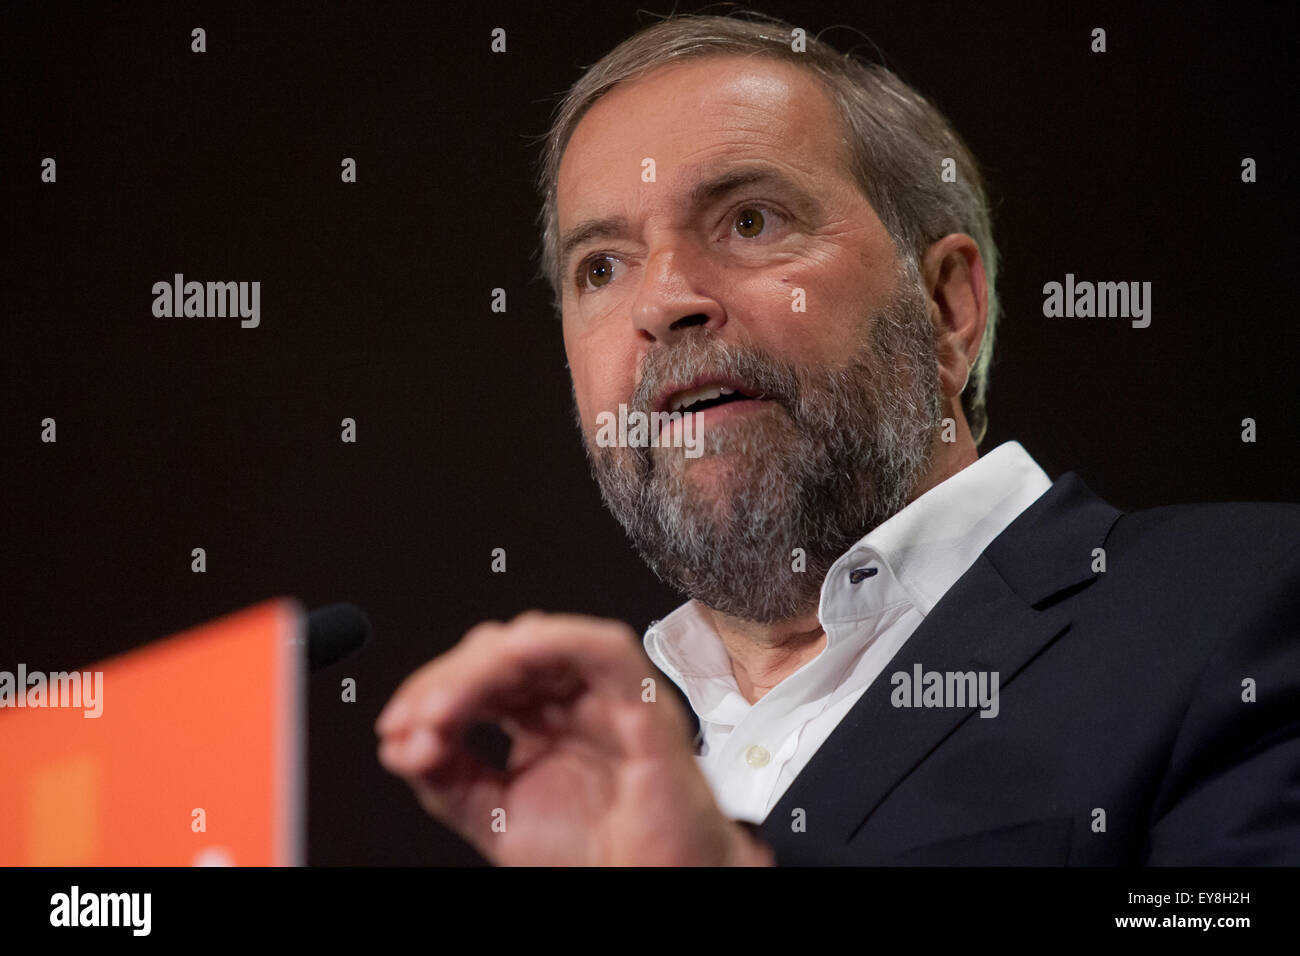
(749, 222)
(595, 272)
(755, 219)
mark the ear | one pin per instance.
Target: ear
(953, 274)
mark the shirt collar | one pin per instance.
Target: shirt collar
(927, 546)
(937, 537)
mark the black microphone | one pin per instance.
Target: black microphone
(333, 632)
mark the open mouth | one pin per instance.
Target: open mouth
(710, 402)
(709, 397)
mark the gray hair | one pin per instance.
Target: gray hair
(898, 140)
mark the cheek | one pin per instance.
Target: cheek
(809, 312)
(601, 379)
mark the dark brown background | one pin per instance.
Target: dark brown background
(180, 433)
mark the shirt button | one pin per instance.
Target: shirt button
(757, 756)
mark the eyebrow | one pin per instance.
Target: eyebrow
(703, 193)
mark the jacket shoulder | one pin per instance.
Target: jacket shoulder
(1253, 532)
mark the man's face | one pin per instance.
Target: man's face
(752, 260)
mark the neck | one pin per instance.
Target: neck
(763, 655)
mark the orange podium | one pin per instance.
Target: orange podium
(196, 755)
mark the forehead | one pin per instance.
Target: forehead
(693, 115)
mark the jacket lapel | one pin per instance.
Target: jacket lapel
(997, 617)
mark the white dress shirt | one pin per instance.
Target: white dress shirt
(751, 753)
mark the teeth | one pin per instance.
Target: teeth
(683, 399)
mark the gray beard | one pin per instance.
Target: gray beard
(842, 452)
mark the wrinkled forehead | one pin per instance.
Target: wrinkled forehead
(688, 116)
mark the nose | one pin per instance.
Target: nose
(673, 296)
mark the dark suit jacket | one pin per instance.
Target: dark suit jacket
(1121, 692)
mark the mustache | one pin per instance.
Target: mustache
(698, 356)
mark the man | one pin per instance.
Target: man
(897, 651)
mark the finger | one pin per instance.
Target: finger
(505, 671)
(554, 658)
(396, 712)
(457, 788)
